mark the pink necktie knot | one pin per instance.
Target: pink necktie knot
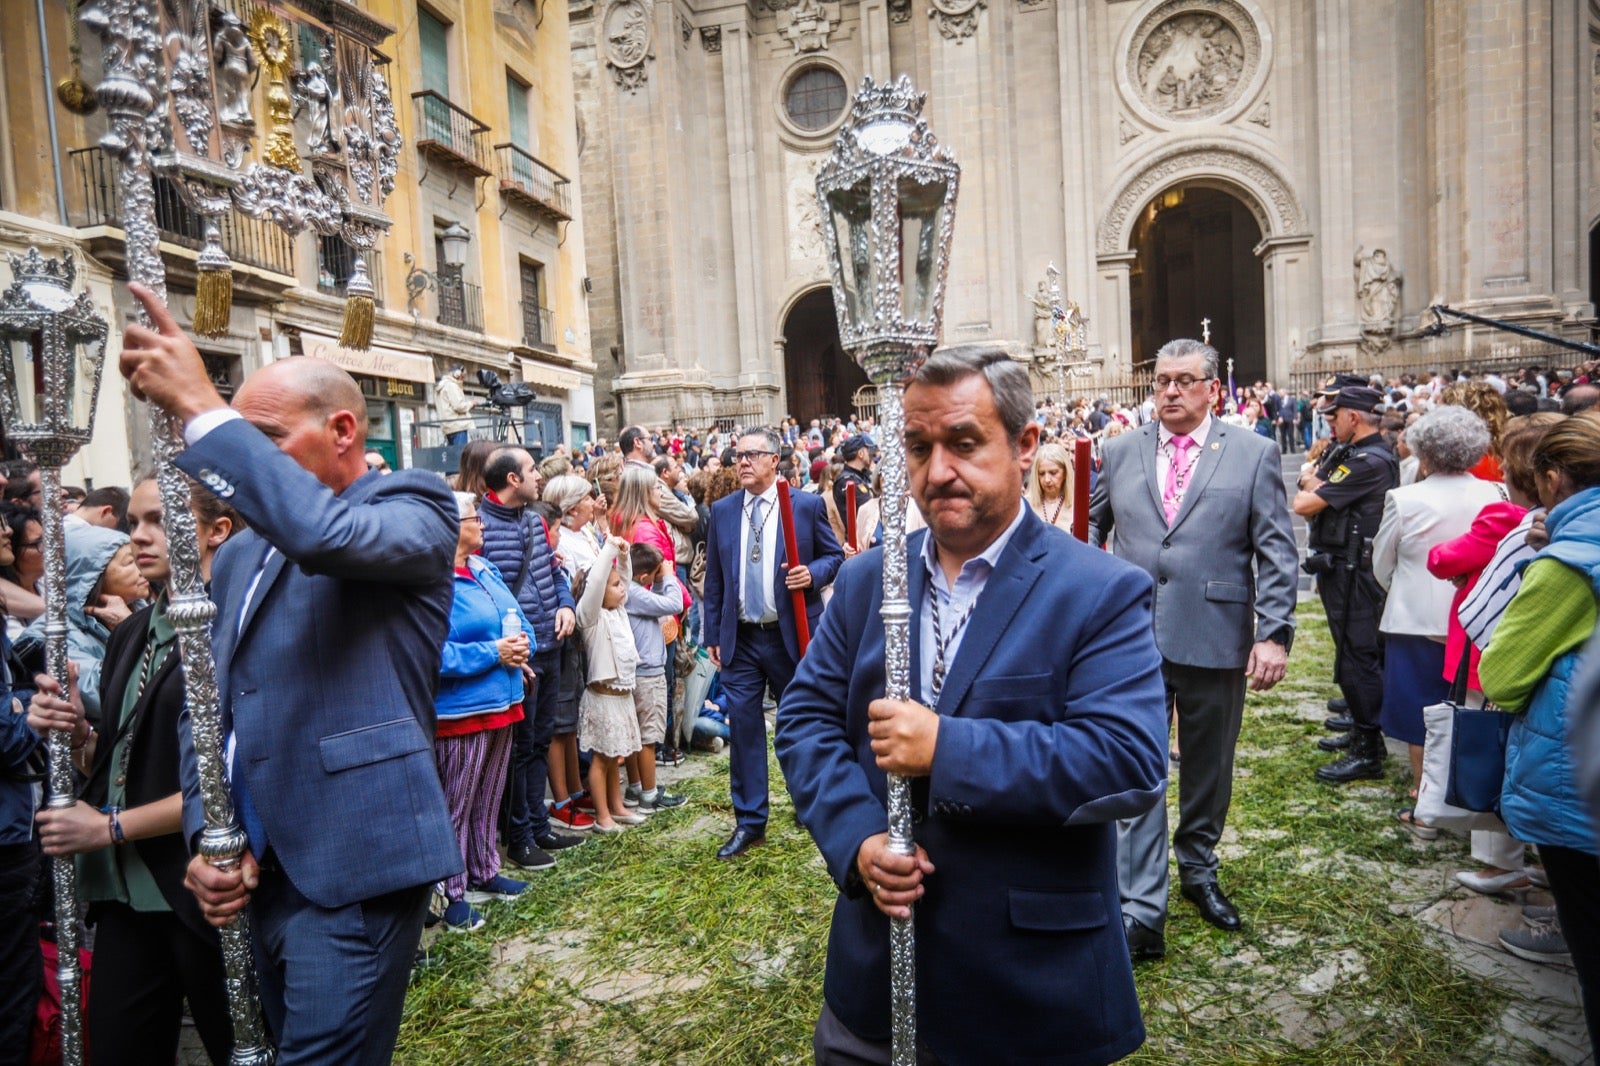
(1177, 476)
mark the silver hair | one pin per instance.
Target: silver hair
(1185, 347)
(466, 503)
(1007, 378)
(566, 492)
(1449, 439)
(774, 442)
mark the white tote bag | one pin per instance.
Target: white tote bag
(1431, 809)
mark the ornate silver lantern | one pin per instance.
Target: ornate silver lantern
(887, 197)
(52, 346)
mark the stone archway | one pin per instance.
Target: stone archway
(820, 378)
(1252, 179)
(1195, 268)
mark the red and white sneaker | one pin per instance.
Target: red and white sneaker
(570, 815)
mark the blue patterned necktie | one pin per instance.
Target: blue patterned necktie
(755, 597)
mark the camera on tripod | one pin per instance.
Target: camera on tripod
(503, 396)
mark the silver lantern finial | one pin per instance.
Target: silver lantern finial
(887, 198)
(52, 346)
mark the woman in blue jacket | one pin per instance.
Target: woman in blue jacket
(480, 699)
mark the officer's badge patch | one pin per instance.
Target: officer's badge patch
(1338, 475)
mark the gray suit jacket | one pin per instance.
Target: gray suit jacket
(1210, 605)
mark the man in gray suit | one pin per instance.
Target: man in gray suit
(1195, 503)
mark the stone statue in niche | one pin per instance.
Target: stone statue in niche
(1043, 317)
(1377, 297)
(236, 65)
(1191, 65)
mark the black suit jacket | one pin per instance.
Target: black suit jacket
(153, 760)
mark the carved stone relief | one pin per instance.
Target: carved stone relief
(1126, 131)
(805, 230)
(711, 39)
(1031, 5)
(808, 24)
(899, 10)
(1190, 59)
(956, 20)
(1263, 115)
(1268, 196)
(628, 42)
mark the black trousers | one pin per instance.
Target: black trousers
(21, 966)
(1575, 883)
(145, 966)
(1354, 604)
(528, 819)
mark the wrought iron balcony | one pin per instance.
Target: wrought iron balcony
(525, 180)
(460, 302)
(538, 327)
(336, 261)
(447, 133)
(246, 240)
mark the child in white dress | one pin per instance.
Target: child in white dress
(607, 723)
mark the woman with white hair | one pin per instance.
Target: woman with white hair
(578, 545)
(1448, 442)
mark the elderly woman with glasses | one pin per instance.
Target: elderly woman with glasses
(1440, 507)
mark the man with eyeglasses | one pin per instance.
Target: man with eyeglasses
(749, 622)
(1200, 506)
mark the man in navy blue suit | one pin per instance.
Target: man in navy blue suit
(1038, 721)
(331, 614)
(749, 613)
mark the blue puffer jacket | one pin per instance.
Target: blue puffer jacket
(1540, 801)
(507, 532)
(471, 679)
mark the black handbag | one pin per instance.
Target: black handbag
(1477, 750)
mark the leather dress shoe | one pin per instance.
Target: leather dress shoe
(1214, 906)
(1144, 943)
(1337, 742)
(742, 840)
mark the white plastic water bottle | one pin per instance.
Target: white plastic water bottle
(511, 624)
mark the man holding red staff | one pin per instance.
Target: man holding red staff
(750, 616)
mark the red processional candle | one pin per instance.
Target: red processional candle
(1080, 489)
(802, 625)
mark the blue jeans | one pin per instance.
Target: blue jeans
(458, 437)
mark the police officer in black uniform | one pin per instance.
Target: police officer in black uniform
(857, 455)
(1343, 501)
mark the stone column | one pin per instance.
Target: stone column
(745, 201)
(1116, 310)
(1290, 306)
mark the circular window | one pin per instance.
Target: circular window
(815, 98)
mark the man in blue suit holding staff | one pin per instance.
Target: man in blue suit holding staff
(1038, 720)
(331, 613)
(750, 617)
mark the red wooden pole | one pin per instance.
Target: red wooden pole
(1080, 488)
(802, 625)
(850, 514)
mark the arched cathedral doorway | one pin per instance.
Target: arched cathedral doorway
(1196, 261)
(819, 376)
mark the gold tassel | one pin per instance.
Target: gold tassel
(213, 292)
(359, 308)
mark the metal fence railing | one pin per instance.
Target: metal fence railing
(335, 262)
(1492, 353)
(538, 327)
(525, 178)
(442, 127)
(460, 303)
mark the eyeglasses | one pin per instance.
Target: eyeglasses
(1183, 381)
(473, 518)
(749, 457)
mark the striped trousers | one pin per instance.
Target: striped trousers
(473, 769)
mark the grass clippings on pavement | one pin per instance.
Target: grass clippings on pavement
(643, 948)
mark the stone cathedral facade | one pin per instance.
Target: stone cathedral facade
(1306, 177)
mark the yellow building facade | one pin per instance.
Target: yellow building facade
(483, 266)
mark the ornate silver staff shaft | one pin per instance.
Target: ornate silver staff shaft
(63, 871)
(887, 199)
(896, 614)
(129, 93)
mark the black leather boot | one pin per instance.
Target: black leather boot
(1364, 761)
(1337, 705)
(1337, 742)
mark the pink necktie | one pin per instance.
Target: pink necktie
(1172, 497)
